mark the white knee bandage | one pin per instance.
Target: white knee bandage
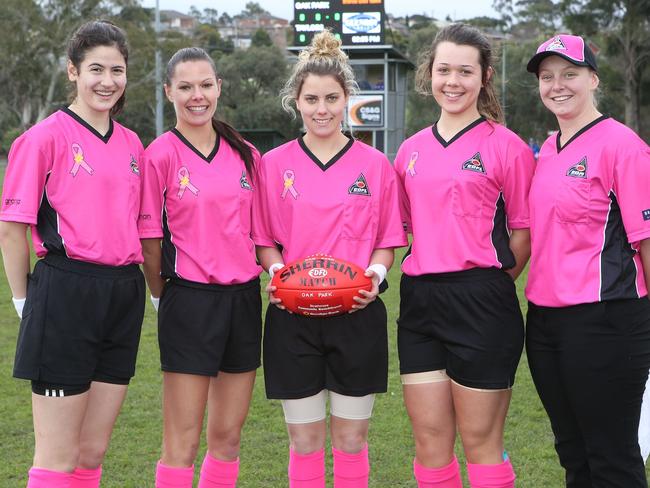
(424, 377)
(305, 410)
(351, 408)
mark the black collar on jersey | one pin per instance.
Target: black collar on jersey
(458, 134)
(207, 158)
(105, 138)
(336, 157)
(581, 131)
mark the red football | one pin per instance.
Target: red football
(319, 285)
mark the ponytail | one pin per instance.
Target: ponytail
(238, 143)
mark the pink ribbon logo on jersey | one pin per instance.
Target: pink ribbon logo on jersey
(289, 177)
(411, 167)
(184, 180)
(79, 161)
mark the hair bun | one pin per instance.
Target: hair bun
(324, 45)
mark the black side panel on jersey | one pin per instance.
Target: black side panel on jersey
(168, 266)
(500, 237)
(47, 227)
(618, 271)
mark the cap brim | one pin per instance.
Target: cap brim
(535, 61)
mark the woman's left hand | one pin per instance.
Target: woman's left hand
(367, 297)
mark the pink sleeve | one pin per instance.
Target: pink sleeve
(151, 201)
(632, 188)
(261, 226)
(391, 231)
(30, 161)
(404, 203)
(518, 168)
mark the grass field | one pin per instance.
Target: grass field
(136, 441)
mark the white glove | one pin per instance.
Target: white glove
(274, 267)
(19, 303)
(380, 270)
(155, 301)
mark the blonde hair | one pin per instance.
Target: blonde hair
(322, 57)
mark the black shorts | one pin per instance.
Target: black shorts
(207, 328)
(81, 322)
(347, 354)
(468, 323)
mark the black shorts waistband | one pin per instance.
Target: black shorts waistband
(255, 282)
(472, 274)
(94, 269)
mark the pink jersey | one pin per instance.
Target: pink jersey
(590, 207)
(460, 198)
(346, 208)
(79, 190)
(201, 208)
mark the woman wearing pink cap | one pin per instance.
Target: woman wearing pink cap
(588, 332)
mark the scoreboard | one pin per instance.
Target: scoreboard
(355, 22)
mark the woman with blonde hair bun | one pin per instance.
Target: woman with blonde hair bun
(348, 189)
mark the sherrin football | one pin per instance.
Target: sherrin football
(319, 285)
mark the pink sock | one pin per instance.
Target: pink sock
(86, 478)
(216, 473)
(168, 477)
(491, 475)
(45, 478)
(445, 477)
(351, 470)
(307, 470)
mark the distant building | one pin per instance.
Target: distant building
(241, 30)
(174, 20)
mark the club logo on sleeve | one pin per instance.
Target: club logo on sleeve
(288, 186)
(134, 166)
(185, 183)
(79, 161)
(578, 170)
(646, 214)
(556, 45)
(359, 187)
(475, 163)
(243, 182)
(410, 169)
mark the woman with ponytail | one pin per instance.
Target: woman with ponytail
(464, 186)
(197, 197)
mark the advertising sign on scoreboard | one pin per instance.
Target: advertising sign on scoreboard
(366, 111)
(355, 22)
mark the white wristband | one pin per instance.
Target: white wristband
(155, 301)
(274, 267)
(379, 269)
(19, 303)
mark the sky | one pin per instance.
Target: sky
(456, 9)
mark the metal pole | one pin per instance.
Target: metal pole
(158, 75)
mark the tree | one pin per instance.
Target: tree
(620, 27)
(252, 80)
(261, 38)
(254, 9)
(625, 26)
(421, 111)
(33, 57)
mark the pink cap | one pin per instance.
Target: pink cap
(572, 48)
